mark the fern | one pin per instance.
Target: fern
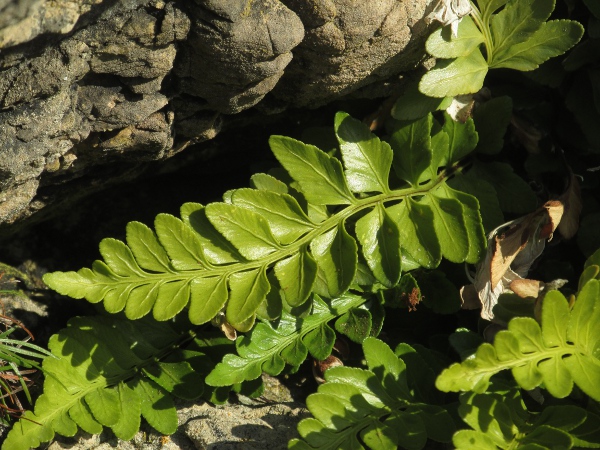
(299, 239)
(270, 346)
(563, 352)
(375, 407)
(499, 419)
(108, 372)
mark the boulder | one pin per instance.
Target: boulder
(90, 91)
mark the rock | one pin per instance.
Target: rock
(88, 88)
(235, 53)
(350, 45)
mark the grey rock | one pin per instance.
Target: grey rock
(236, 52)
(85, 84)
(351, 45)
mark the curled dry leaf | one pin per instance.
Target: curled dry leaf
(220, 322)
(449, 12)
(512, 249)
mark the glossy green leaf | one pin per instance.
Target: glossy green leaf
(500, 419)
(553, 38)
(208, 296)
(443, 44)
(248, 231)
(419, 241)
(412, 149)
(319, 176)
(296, 276)
(449, 226)
(284, 216)
(248, 290)
(472, 220)
(462, 139)
(488, 7)
(354, 401)
(144, 245)
(99, 380)
(336, 256)
(180, 242)
(215, 247)
(130, 407)
(367, 160)
(463, 75)
(517, 22)
(157, 408)
(379, 237)
(484, 192)
(356, 324)
(265, 182)
(286, 338)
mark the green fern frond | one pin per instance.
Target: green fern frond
(559, 354)
(374, 407)
(110, 372)
(500, 419)
(223, 256)
(270, 346)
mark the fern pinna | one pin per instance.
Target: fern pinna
(299, 238)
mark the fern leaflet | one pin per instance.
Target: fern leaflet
(499, 419)
(270, 346)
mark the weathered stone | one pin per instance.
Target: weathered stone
(86, 83)
(351, 45)
(235, 54)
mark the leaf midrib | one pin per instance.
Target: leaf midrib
(288, 250)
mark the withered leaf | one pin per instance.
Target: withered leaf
(526, 288)
(510, 254)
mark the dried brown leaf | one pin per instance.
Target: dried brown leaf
(526, 288)
(511, 254)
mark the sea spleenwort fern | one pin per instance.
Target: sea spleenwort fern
(223, 256)
(109, 372)
(559, 354)
(375, 407)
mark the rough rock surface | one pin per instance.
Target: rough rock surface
(90, 89)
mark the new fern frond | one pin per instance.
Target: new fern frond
(223, 256)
